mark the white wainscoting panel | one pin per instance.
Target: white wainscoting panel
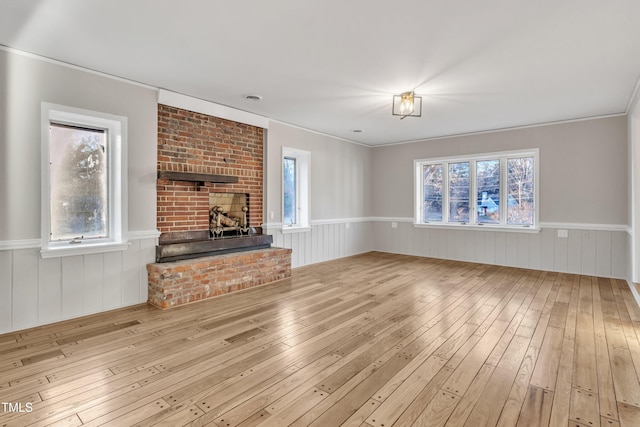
(6, 291)
(72, 286)
(49, 290)
(130, 274)
(24, 278)
(37, 291)
(599, 251)
(326, 240)
(93, 282)
(112, 293)
(147, 253)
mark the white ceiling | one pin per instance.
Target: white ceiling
(332, 65)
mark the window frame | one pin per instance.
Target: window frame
(116, 129)
(473, 223)
(303, 162)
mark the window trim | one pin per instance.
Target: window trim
(116, 127)
(303, 163)
(503, 156)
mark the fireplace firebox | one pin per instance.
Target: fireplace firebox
(228, 214)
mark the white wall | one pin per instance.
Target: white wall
(634, 188)
(340, 195)
(583, 188)
(583, 169)
(37, 291)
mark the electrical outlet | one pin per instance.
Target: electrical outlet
(394, 225)
(563, 233)
(347, 225)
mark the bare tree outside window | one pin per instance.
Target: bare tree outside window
(432, 182)
(520, 191)
(488, 191)
(290, 191)
(459, 192)
(78, 177)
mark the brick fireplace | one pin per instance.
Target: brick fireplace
(203, 160)
(197, 143)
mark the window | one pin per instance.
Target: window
(459, 192)
(497, 189)
(290, 196)
(488, 191)
(295, 189)
(83, 184)
(78, 182)
(432, 187)
(520, 191)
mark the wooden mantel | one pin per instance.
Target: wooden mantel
(200, 178)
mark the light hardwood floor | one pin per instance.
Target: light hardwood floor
(373, 340)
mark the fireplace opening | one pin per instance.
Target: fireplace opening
(229, 231)
(228, 215)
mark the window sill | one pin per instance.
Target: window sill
(295, 229)
(82, 249)
(515, 229)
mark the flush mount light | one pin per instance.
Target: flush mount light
(407, 104)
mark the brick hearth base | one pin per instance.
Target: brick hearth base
(180, 282)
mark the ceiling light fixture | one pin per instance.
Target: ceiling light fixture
(407, 104)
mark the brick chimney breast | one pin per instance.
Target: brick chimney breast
(198, 143)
